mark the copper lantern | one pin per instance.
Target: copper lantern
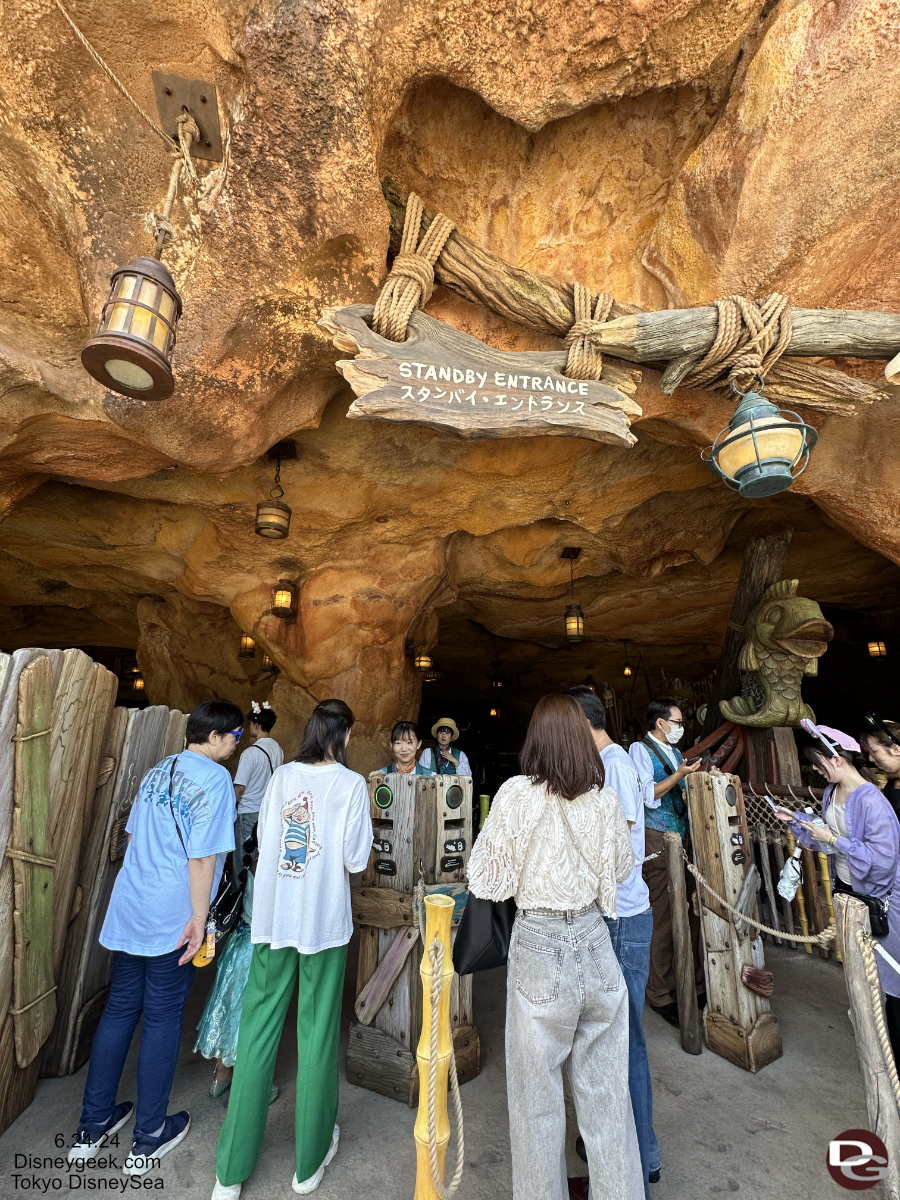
(248, 646)
(284, 599)
(273, 517)
(763, 448)
(131, 352)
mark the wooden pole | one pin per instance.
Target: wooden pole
(763, 565)
(546, 305)
(825, 332)
(438, 914)
(688, 1013)
(881, 1104)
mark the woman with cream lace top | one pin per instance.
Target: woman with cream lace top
(556, 839)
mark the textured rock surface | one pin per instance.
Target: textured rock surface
(667, 152)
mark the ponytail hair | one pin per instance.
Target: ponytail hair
(326, 733)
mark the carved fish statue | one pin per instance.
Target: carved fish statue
(786, 636)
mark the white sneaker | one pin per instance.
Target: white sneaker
(226, 1191)
(310, 1185)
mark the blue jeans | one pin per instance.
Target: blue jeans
(156, 988)
(630, 938)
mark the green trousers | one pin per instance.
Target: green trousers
(273, 976)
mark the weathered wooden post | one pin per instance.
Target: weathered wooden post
(881, 1104)
(738, 1022)
(438, 913)
(688, 1012)
(422, 826)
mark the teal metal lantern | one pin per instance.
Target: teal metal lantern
(763, 449)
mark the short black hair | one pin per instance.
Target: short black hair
(212, 716)
(265, 717)
(405, 731)
(591, 704)
(660, 708)
(326, 732)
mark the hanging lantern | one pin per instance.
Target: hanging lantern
(877, 650)
(248, 646)
(590, 684)
(131, 352)
(138, 683)
(268, 664)
(626, 670)
(495, 712)
(423, 662)
(496, 680)
(284, 599)
(763, 448)
(273, 518)
(432, 675)
(574, 614)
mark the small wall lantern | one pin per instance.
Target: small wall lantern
(422, 660)
(763, 448)
(131, 352)
(877, 650)
(574, 614)
(284, 599)
(268, 664)
(138, 683)
(495, 712)
(496, 678)
(626, 670)
(248, 646)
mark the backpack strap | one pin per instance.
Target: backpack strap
(268, 760)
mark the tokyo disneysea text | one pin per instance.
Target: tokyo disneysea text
(42, 1175)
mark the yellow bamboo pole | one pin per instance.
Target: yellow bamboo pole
(484, 803)
(438, 915)
(801, 899)
(829, 902)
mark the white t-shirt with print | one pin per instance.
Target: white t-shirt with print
(314, 831)
(256, 767)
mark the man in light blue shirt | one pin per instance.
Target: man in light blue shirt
(180, 828)
(632, 930)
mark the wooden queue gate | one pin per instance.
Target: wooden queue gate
(422, 826)
(739, 1023)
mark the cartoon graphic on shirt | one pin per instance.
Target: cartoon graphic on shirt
(298, 840)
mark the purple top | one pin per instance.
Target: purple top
(872, 850)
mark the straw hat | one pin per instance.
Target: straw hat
(449, 723)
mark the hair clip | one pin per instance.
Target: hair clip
(254, 707)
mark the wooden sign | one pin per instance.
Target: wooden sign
(445, 379)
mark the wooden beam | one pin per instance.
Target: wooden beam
(884, 1118)
(826, 332)
(763, 565)
(688, 1012)
(377, 990)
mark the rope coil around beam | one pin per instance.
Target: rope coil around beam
(866, 943)
(584, 360)
(750, 338)
(411, 279)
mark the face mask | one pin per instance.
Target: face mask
(675, 734)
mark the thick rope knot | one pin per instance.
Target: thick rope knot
(411, 280)
(751, 336)
(584, 361)
(188, 133)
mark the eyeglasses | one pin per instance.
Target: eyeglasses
(235, 733)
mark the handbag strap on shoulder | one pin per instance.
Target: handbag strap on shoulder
(172, 807)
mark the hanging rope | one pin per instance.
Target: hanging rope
(816, 939)
(584, 361)
(411, 280)
(419, 904)
(171, 145)
(751, 336)
(867, 947)
(436, 958)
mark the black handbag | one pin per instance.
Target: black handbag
(483, 936)
(878, 909)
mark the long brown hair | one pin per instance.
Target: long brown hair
(559, 750)
(325, 733)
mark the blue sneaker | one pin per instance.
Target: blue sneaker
(147, 1151)
(91, 1139)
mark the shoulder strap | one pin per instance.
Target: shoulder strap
(172, 807)
(268, 760)
(648, 742)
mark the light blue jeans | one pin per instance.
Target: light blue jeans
(631, 943)
(566, 1002)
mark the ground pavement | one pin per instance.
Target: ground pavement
(721, 1129)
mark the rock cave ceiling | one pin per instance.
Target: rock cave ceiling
(667, 151)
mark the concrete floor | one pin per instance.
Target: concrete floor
(721, 1130)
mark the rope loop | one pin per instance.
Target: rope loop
(584, 361)
(436, 958)
(411, 279)
(751, 336)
